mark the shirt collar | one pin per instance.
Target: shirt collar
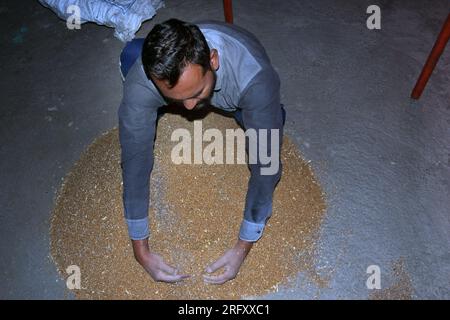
(219, 76)
(218, 85)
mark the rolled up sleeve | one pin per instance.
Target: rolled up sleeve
(137, 122)
(261, 109)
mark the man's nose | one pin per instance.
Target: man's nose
(190, 103)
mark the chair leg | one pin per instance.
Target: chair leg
(228, 10)
(433, 58)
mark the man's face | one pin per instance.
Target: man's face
(194, 88)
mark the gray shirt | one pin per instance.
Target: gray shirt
(246, 81)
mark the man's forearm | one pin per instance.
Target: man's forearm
(243, 245)
(140, 247)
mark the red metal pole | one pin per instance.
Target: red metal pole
(228, 10)
(433, 58)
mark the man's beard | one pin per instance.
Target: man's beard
(202, 104)
(206, 102)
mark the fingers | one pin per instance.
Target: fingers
(167, 268)
(170, 274)
(222, 278)
(219, 279)
(221, 262)
(171, 278)
(167, 273)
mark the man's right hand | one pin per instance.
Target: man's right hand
(154, 264)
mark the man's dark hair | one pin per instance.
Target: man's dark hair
(170, 47)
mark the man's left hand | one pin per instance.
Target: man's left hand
(231, 261)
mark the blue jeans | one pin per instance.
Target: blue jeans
(132, 51)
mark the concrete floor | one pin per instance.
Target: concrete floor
(383, 160)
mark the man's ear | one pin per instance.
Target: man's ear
(214, 59)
